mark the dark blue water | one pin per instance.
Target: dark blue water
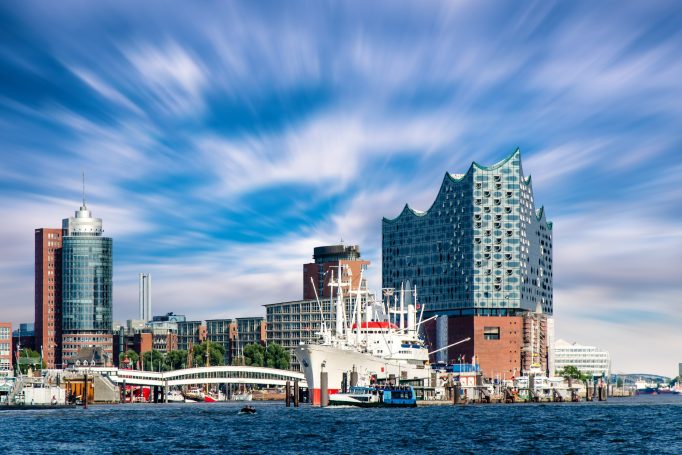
(626, 425)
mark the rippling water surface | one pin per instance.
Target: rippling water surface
(647, 424)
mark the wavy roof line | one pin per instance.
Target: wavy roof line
(539, 213)
(420, 213)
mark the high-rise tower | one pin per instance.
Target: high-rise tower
(482, 250)
(145, 297)
(48, 295)
(86, 285)
(327, 261)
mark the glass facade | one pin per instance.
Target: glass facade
(481, 249)
(86, 284)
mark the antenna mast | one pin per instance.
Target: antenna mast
(83, 174)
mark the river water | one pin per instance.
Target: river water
(646, 424)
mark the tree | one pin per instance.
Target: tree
(132, 356)
(176, 360)
(254, 355)
(216, 354)
(28, 358)
(276, 357)
(153, 361)
(572, 372)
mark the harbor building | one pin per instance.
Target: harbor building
(164, 330)
(5, 348)
(482, 252)
(145, 297)
(222, 332)
(131, 337)
(326, 262)
(250, 330)
(86, 287)
(588, 359)
(48, 295)
(190, 333)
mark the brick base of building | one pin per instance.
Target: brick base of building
(500, 344)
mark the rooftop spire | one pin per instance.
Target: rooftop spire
(83, 173)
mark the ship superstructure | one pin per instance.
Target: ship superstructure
(379, 340)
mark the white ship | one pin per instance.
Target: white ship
(382, 343)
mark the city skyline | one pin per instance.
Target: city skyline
(222, 144)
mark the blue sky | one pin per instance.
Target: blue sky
(222, 142)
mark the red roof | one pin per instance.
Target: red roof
(375, 325)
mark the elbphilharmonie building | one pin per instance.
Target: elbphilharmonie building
(483, 249)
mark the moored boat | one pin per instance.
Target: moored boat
(381, 344)
(376, 396)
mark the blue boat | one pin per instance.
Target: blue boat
(380, 396)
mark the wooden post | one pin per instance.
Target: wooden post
(324, 390)
(455, 393)
(124, 391)
(296, 394)
(85, 391)
(287, 393)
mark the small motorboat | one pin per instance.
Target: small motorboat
(248, 410)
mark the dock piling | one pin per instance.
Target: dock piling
(85, 391)
(324, 391)
(297, 391)
(353, 377)
(287, 393)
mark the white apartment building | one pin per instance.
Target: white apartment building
(588, 359)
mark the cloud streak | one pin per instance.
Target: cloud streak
(223, 143)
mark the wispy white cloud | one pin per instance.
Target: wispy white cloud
(330, 150)
(173, 76)
(106, 90)
(363, 106)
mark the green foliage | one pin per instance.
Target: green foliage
(619, 382)
(28, 358)
(254, 355)
(570, 371)
(154, 361)
(276, 357)
(216, 354)
(132, 356)
(176, 360)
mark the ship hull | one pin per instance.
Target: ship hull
(338, 361)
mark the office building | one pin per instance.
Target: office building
(48, 295)
(86, 287)
(134, 336)
(326, 263)
(588, 359)
(190, 334)
(482, 250)
(222, 332)
(251, 330)
(5, 348)
(169, 317)
(145, 297)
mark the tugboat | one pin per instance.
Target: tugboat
(376, 397)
